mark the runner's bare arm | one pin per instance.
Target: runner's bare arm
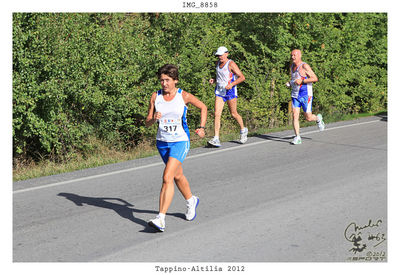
(240, 77)
(151, 115)
(189, 98)
(212, 80)
(310, 74)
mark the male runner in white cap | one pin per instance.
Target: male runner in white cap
(228, 76)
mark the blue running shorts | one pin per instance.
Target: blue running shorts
(305, 102)
(228, 95)
(177, 150)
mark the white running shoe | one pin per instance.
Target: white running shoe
(215, 142)
(191, 209)
(158, 223)
(243, 135)
(296, 140)
(321, 124)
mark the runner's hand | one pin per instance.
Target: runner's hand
(298, 81)
(200, 132)
(157, 115)
(229, 86)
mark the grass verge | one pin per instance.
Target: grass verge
(106, 155)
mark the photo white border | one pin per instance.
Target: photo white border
(176, 6)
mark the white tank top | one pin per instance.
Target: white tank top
(299, 90)
(224, 75)
(172, 126)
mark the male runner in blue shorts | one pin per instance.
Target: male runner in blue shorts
(227, 77)
(302, 78)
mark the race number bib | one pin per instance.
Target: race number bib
(170, 125)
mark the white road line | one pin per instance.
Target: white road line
(189, 157)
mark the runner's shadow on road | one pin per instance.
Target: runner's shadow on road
(120, 206)
(279, 139)
(235, 141)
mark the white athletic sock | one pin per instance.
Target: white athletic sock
(162, 216)
(190, 200)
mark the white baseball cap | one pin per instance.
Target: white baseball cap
(221, 50)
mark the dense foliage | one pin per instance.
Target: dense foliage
(81, 76)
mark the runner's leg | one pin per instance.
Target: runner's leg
(219, 106)
(310, 117)
(167, 189)
(307, 108)
(232, 104)
(296, 123)
(182, 183)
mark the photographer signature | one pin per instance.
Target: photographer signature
(358, 235)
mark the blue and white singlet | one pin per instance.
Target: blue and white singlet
(299, 90)
(172, 126)
(224, 77)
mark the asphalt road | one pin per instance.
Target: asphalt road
(264, 201)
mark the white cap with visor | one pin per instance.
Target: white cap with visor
(221, 50)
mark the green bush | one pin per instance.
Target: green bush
(78, 76)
